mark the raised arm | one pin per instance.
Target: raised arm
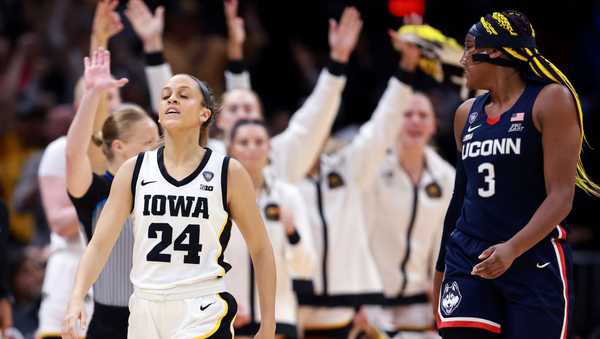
(296, 148)
(236, 75)
(149, 28)
(242, 203)
(109, 225)
(97, 79)
(107, 23)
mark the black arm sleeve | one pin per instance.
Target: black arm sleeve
(453, 212)
(236, 66)
(85, 206)
(3, 250)
(154, 59)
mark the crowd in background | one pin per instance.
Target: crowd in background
(42, 44)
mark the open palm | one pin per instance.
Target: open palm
(235, 24)
(145, 24)
(97, 72)
(343, 36)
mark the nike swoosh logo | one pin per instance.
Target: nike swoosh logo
(203, 307)
(144, 183)
(471, 129)
(542, 266)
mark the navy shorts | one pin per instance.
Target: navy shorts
(532, 299)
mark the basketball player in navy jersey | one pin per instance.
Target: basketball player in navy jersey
(181, 224)
(504, 262)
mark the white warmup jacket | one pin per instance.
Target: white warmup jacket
(405, 225)
(293, 256)
(347, 274)
(294, 150)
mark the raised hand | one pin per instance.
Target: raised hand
(97, 75)
(411, 53)
(149, 27)
(235, 27)
(107, 22)
(343, 36)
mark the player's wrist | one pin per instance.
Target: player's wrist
(153, 44)
(235, 52)
(515, 248)
(339, 56)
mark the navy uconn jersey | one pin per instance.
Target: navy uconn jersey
(504, 165)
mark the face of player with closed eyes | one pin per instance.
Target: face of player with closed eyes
(419, 122)
(182, 104)
(250, 146)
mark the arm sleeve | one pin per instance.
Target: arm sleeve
(86, 204)
(3, 251)
(300, 253)
(295, 149)
(454, 210)
(158, 72)
(236, 76)
(366, 152)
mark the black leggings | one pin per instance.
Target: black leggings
(467, 333)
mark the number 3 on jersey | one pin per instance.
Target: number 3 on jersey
(490, 189)
(193, 246)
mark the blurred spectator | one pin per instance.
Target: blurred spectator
(26, 278)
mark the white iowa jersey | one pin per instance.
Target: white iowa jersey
(181, 227)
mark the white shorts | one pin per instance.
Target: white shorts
(58, 285)
(154, 317)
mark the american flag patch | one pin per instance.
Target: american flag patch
(517, 117)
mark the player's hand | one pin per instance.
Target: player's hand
(97, 75)
(496, 260)
(149, 27)
(6, 320)
(107, 22)
(411, 53)
(236, 30)
(75, 314)
(343, 36)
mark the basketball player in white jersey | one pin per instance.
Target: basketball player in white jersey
(285, 215)
(182, 213)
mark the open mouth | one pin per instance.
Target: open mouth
(172, 111)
